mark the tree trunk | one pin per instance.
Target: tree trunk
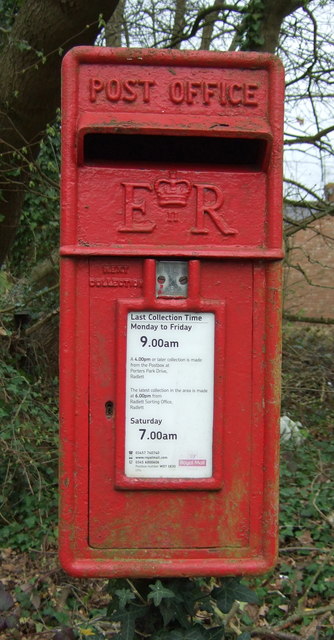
(208, 28)
(114, 27)
(179, 24)
(263, 34)
(30, 89)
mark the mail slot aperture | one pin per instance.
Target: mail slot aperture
(166, 149)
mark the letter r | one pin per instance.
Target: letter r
(211, 209)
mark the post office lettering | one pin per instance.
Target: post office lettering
(125, 90)
(203, 92)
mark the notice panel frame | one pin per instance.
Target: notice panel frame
(122, 481)
(194, 302)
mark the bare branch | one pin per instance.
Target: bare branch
(309, 139)
(201, 16)
(303, 187)
(310, 68)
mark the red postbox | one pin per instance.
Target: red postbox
(170, 312)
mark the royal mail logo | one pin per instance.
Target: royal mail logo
(171, 194)
(192, 463)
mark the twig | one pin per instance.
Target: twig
(319, 625)
(303, 599)
(37, 295)
(135, 591)
(309, 139)
(323, 515)
(232, 612)
(304, 612)
(294, 226)
(318, 549)
(299, 268)
(269, 632)
(312, 193)
(40, 322)
(310, 319)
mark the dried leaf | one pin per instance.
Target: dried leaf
(305, 538)
(6, 600)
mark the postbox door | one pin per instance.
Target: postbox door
(172, 516)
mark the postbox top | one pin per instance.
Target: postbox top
(231, 85)
(150, 117)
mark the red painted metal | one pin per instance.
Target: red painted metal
(174, 155)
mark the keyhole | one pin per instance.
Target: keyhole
(109, 409)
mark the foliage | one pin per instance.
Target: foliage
(36, 599)
(175, 609)
(38, 232)
(250, 33)
(28, 394)
(308, 378)
(297, 597)
(8, 10)
(28, 497)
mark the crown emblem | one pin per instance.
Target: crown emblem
(172, 192)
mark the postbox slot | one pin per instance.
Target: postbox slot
(101, 148)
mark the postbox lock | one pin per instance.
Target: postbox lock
(109, 409)
(172, 279)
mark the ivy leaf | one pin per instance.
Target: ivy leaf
(188, 594)
(125, 596)
(196, 633)
(168, 612)
(258, 39)
(230, 591)
(216, 633)
(245, 636)
(127, 618)
(114, 583)
(158, 592)
(244, 594)
(171, 610)
(175, 634)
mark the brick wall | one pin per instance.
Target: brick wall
(309, 289)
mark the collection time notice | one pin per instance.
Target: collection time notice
(169, 394)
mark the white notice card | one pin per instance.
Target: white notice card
(169, 394)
